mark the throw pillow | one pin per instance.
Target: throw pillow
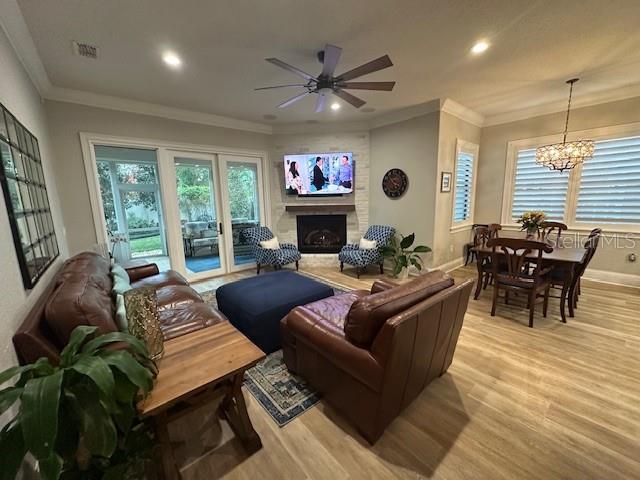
(118, 271)
(141, 305)
(272, 244)
(120, 286)
(121, 314)
(367, 244)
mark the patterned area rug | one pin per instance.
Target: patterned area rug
(282, 394)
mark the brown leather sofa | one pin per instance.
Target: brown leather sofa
(80, 294)
(371, 353)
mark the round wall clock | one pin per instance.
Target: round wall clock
(395, 183)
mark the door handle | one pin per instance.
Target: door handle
(220, 228)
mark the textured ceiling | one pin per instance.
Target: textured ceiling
(536, 45)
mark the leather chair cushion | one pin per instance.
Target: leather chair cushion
(79, 300)
(173, 296)
(162, 279)
(332, 311)
(188, 318)
(368, 314)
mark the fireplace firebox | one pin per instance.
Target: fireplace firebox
(321, 233)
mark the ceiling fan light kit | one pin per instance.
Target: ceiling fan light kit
(565, 155)
(327, 83)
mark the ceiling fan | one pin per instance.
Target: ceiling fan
(327, 82)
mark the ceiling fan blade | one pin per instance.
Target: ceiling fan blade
(370, 67)
(293, 100)
(347, 97)
(321, 102)
(286, 66)
(331, 58)
(282, 86)
(386, 86)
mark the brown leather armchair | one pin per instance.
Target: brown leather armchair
(371, 353)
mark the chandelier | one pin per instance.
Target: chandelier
(565, 155)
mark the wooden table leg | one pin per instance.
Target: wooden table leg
(234, 409)
(169, 467)
(479, 261)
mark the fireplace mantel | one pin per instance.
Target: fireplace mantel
(323, 207)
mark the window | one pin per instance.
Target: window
(536, 188)
(464, 183)
(610, 183)
(605, 190)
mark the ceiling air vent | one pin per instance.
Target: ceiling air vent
(85, 50)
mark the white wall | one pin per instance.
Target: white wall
(20, 97)
(411, 145)
(447, 246)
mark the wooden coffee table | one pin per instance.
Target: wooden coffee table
(196, 368)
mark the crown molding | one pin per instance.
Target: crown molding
(463, 113)
(405, 114)
(596, 98)
(17, 32)
(153, 109)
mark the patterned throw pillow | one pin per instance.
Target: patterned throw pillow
(367, 244)
(272, 244)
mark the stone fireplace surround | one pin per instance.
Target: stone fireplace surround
(285, 209)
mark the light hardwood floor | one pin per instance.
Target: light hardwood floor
(555, 401)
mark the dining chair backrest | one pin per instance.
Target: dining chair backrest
(516, 254)
(549, 230)
(494, 228)
(481, 236)
(590, 247)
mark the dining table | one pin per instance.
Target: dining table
(563, 257)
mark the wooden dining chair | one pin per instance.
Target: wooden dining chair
(558, 276)
(515, 254)
(550, 232)
(470, 252)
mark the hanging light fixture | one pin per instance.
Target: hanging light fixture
(565, 155)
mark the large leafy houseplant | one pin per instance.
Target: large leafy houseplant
(78, 418)
(402, 255)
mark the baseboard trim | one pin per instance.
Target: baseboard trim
(613, 278)
(450, 266)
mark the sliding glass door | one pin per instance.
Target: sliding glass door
(200, 219)
(243, 201)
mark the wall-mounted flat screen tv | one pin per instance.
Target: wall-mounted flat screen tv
(312, 174)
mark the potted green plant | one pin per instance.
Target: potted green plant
(531, 222)
(78, 418)
(401, 255)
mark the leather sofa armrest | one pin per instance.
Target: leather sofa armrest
(308, 328)
(142, 271)
(382, 285)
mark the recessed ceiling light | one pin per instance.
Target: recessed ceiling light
(335, 106)
(479, 47)
(171, 59)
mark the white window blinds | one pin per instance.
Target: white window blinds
(464, 187)
(537, 188)
(610, 183)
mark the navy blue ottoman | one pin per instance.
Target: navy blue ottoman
(256, 305)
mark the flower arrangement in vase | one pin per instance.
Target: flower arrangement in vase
(531, 222)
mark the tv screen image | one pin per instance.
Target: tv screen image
(319, 173)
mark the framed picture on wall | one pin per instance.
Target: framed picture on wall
(25, 195)
(445, 182)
